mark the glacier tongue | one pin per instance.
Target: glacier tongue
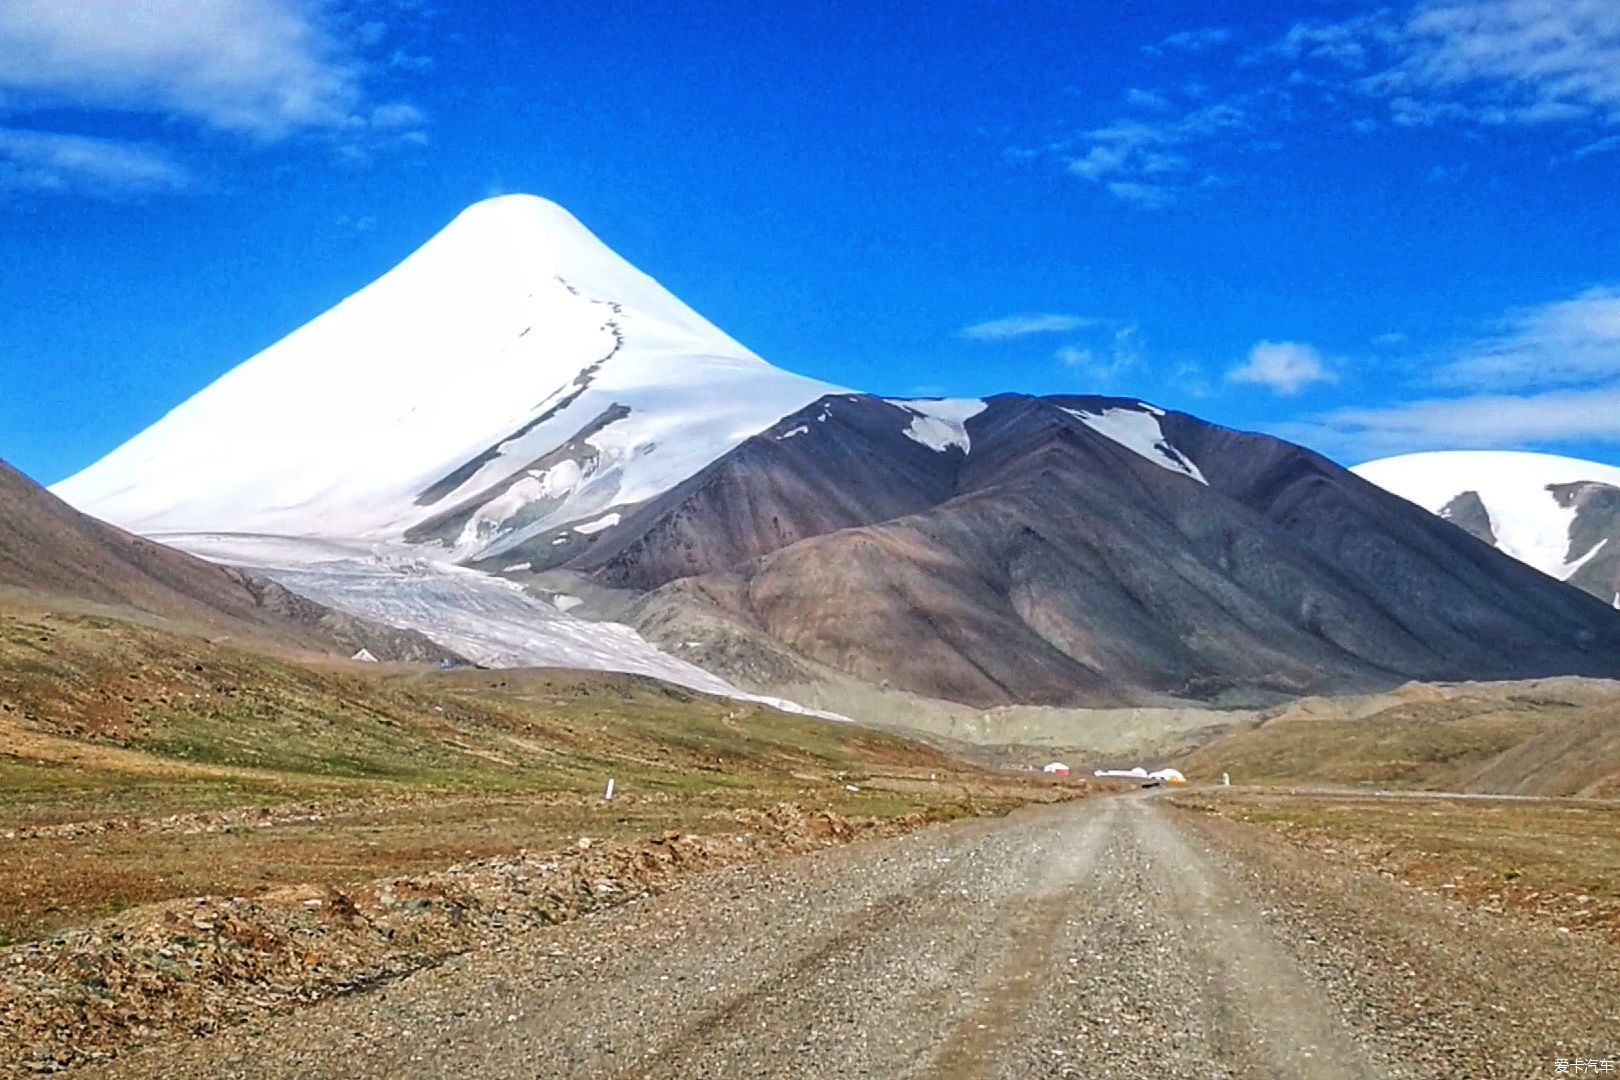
(482, 617)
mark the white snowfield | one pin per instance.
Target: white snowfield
(1526, 518)
(1138, 431)
(508, 313)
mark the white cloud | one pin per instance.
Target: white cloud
(1481, 422)
(1193, 40)
(50, 161)
(1551, 54)
(1152, 100)
(1476, 64)
(1017, 326)
(1598, 146)
(1565, 343)
(397, 116)
(1140, 161)
(1548, 374)
(1284, 367)
(1107, 359)
(1484, 62)
(1151, 196)
(265, 67)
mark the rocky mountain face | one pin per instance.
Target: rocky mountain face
(515, 433)
(1098, 550)
(1560, 515)
(51, 552)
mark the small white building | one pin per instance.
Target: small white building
(1056, 768)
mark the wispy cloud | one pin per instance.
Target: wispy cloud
(1472, 64)
(1524, 61)
(1546, 374)
(266, 67)
(1480, 421)
(50, 161)
(1479, 62)
(1018, 326)
(1564, 343)
(266, 70)
(1191, 40)
(1283, 367)
(1112, 355)
(1140, 160)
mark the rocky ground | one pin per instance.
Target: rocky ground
(1112, 937)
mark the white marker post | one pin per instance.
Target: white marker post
(1226, 779)
(607, 796)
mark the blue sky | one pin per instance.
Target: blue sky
(1370, 228)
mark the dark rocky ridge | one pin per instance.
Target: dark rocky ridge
(1594, 537)
(1054, 565)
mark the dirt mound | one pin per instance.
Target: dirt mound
(192, 966)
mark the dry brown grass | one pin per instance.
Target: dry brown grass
(1558, 859)
(138, 764)
(1552, 737)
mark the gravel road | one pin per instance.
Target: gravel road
(1114, 937)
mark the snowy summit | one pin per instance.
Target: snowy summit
(513, 360)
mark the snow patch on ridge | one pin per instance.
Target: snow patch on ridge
(1138, 431)
(941, 423)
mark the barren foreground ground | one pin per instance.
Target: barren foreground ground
(1111, 937)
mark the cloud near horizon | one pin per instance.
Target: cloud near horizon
(1479, 422)
(1548, 374)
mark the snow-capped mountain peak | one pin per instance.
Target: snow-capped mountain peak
(1542, 509)
(513, 362)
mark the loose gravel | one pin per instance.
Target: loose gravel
(1113, 937)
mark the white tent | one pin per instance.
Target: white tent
(364, 656)
(1056, 768)
(1137, 773)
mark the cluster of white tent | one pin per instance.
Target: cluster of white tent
(1162, 776)
(1159, 776)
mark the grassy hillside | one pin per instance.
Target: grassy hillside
(138, 764)
(1549, 737)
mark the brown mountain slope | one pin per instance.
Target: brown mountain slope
(49, 551)
(1076, 562)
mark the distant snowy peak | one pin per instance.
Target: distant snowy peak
(512, 375)
(1560, 515)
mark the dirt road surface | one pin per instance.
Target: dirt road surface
(1116, 937)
